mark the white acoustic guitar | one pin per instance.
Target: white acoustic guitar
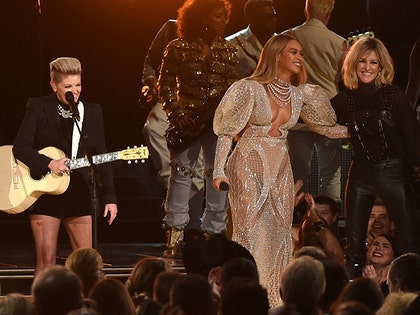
(18, 190)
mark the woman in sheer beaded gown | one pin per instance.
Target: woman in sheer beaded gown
(261, 195)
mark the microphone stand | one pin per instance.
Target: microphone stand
(94, 200)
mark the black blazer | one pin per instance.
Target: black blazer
(41, 127)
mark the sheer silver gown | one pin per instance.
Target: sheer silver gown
(261, 194)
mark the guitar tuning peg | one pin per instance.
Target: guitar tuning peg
(129, 162)
(135, 147)
(136, 161)
(143, 161)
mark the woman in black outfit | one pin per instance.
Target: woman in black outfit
(386, 144)
(49, 121)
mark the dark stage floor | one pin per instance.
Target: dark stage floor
(114, 254)
(17, 262)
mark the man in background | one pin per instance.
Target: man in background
(324, 51)
(262, 18)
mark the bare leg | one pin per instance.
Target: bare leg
(45, 231)
(79, 230)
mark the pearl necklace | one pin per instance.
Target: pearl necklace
(280, 91)
(65, 113)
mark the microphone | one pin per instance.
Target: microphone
(224, 186)
(73, 105)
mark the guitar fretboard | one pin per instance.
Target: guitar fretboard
(96, 159)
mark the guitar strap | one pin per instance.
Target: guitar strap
(77, 127)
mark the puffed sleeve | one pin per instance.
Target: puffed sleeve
(318, 114)
(231, 117)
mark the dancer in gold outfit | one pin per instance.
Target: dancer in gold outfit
(265, 105)
(197, 69)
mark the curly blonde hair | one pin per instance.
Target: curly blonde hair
(360, 48)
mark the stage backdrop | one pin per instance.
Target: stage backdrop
(111, 38)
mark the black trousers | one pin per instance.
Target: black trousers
(389, 180)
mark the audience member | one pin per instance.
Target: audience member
(311, 251)
(319, 228)
(404, 276)
(16, 304)
(90, 307)
(220, 276)
(112, 298)
(141, 280)
(191, 295)
(336, 278)
(396, 303)
(162, 286)
(379, 222)
(299, 211)
(244, 296)
(414, 307)
(200, 256)
(352, 308)
(302, 284)
(88, 265)
(238, 267)
(363, 290)
(381, 252)
(324, 51)
(404, 273)
(56, 291)
(329, 210)
(262, 18)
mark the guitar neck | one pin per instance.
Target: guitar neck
(96, 159)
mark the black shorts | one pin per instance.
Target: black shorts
(74, 202)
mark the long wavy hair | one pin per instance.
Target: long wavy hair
(360, 48)
(193, 17)
(266, 69)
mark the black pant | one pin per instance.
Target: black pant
(389, 180)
